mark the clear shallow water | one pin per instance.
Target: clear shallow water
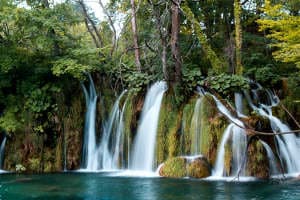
(91, 186)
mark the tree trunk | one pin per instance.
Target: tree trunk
(135, 37)
(238, 37)
(164, 59)
(111, 23)
(88, 19)
(91, 32)
(217, 65)
(176, 76)
(163, 39)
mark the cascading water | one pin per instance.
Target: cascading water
(238, 145)
(2, 146)
(108, 151)
(89, 159)
(272, 159)
(144, 143)
(219, 164)
(286, 143)
(196, 127)
(238, 100)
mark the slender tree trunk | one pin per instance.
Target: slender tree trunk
(88, 19)
(163, 39)
(91, 33)
(238, 37)
(164, 60)
(111, 23)
(135, 37)
(216, 63)
(175, 18)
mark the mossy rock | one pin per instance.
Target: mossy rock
(199, 168)
(257, 160)
(174, 167)
(258, 122)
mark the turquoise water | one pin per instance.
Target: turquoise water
(91, 186)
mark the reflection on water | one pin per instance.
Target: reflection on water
(91, 186)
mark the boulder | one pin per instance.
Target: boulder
(199, 168)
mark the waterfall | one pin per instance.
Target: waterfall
(2, 152)
(238, 100)
(89, 159)
(272, 159)
(196, 127)
(238, 143)
(287, 143)
(144, 143)
(108, 151)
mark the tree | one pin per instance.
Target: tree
(283, 26)
(163, 34)
(238, 37)
(175, 20)
(91, 26)
(217, 65)
(135, 36)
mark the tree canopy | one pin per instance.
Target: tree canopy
(48, 48)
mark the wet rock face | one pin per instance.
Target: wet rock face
(178, 167)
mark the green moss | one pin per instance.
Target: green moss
(185, 140)
(174, 167)
(199, 168)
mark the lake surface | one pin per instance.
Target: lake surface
(104, 186)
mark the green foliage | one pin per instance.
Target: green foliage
(226, 84)
(284, 28)
(39, 100)
(8, 120)
(191, 78)
(217, 65)
(70, 66)
(266, 76)
(137, 81)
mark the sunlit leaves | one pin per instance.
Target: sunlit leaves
(284, 28)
